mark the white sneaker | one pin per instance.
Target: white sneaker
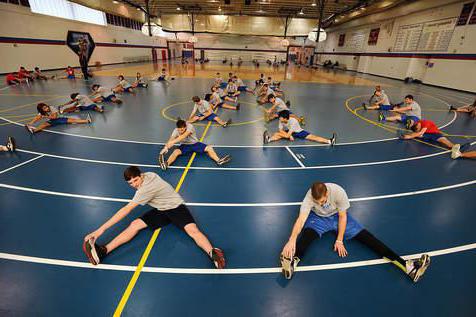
(455, 151)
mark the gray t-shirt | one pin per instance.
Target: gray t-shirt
(83, 100)
(280, 105)
(292, 125)
(103, 92)
(336, 201)
(157, 193)
(202, 107)
(215, 98)
(191, 139)
(415, 111)
(383, 99)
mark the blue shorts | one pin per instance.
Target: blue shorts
(58, 121)
(220, 104)
(209, 118)
(198, 147)
(86, 108)
(161, 78)
(108, 98)
(71, 77)
(223, 85)
(385, 107)
(405, 118)
(431, 137)
(301, 135)
(128, 89)
(242, 88)
(322, 225)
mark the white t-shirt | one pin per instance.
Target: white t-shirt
(203, 106)
(231, 87)
(292, 125)
(191, 139)
(415, 111)
(103, 92)
(83, 100)
(125, 84)
(280, 105)
(215, 98)
(336, 201)
(157, 193)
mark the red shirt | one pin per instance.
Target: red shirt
(10, 77)
(430, 126)
(70, 71)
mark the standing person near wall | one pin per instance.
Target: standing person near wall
(83, 57)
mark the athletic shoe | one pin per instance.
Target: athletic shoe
(288, 266)
(238, 106)
(333, 139)
(162, 162)
(266, 137)
(11, 144)
(416, 268)
(455, 151)
(94, 252)
(88, 117)
(29, 129)
(408, 124)
(288, 104)
(118, 101)
(364, 106)
(452, 108)
(101, 108)
(224, 160)
(227, 123)
(218, 258)
(381, 117)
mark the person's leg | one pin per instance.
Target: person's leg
(97, 99)
(175, 154)
(394, 118)
(77, 121)
(227, 106)
(211, 153)
(315, 138)
(126, 235)
(471, 154)
(200, 239)
(304, 240)
(3, 148)
(447, 143)
(219, 121)
(70, 109)
(277, 136)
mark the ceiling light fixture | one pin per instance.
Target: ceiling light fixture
(301, 12)
(179, 8)
(115, 2)
(314, 4)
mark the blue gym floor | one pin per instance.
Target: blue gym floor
(64, 183)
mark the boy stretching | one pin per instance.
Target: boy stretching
(203, 111)
(53, 118)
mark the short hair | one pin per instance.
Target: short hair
(131, 172)
(120, 77)
(181, 123)
(40, 106)
(37, 68)
(413, 125)
(318, 190)
(195, 98)
(163, 69)
(218, 73)
(378, 88)
(230, 80)
(271, 96)
(284, 114)
(94, 87)
(214, 88)
(409, 97)
(74, 95)
(208, 97)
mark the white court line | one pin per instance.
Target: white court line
(241, 168)
(265, 270)
(21, 164)
(295, 157)
(412, 193)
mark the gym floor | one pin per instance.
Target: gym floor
(65, 182)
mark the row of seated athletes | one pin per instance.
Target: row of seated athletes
(324, 209)
(409, 113)
(25, 76)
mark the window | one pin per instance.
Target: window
(122, 21)
(68, 10)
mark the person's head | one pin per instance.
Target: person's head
(218, 74)
(284, 116)
(22, 68)
(208, 97)
(120, 77)
(37, 68)
(230, 74)
(181, 126)
(133, 177)
(378, 88)
(43, 109)
(408, 99)
(74, 95)
(265, 85)
(271, 98)
(196, 99)
(230, 80)
(235, 77)
(69, 67)
(378, 93)
(319, 193)
(138, 74)
(214, 88)
(415, 126)
(261, 75)
(269, 78)
(95, 87)
(163, 69)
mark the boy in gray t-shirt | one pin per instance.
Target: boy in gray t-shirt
(203, 111)
(407, 114)
(324, 209)
(168, 207)
(186, 135)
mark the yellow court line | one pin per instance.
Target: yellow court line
(29, 104)
(381, 125)
(145, 255)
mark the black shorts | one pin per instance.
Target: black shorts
(179, 216)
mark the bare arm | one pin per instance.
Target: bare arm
(339, 244)
(178, 139)
(290, 247)
(402, 109)
(414, 134)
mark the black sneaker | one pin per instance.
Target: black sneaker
(11, 144)
(288, 266)
(94, 252)
(364, 106)
(238, 106)
(162, 162)
(418, 267)
(333, 139)
(29, 129)
(266, 137)
(218, 258)
(224, 160)
(227, 123)
(88, 117)
(452, 108)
